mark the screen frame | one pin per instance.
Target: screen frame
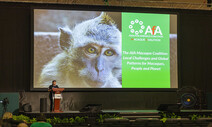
(109, 9)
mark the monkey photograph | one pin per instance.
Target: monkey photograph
(86, 55)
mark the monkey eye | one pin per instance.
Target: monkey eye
(91, 50)
(109, 53)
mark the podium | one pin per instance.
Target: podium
(57, 98)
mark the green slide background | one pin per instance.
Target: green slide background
(145, 78)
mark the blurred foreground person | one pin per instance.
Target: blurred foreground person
(23, 125)
(41, 122)
(8, 119)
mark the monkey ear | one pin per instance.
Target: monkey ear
(65, 38)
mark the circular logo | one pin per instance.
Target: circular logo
(134, 26)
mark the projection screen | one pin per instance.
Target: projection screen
(96, 49)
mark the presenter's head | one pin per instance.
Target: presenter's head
(54, 82)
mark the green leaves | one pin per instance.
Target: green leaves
(163, 119)
(55, 120)
(49, 120)
(76, 120)
(102, 117)
(71, 120)
(24, 118)
(33, 120)
(65, 120)
(193, 117)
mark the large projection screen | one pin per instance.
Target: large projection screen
(97, 49)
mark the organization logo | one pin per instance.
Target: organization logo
(137, 28)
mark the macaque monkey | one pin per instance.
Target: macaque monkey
(91, 56)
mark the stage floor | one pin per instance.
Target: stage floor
(132, 111)
(103, 111)
(129, 111)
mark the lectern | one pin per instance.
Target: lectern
(57, 97)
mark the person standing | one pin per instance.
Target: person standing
(51, 93)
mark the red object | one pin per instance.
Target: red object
(57, 100)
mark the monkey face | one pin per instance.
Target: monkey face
(92, 51)
(99, 62)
